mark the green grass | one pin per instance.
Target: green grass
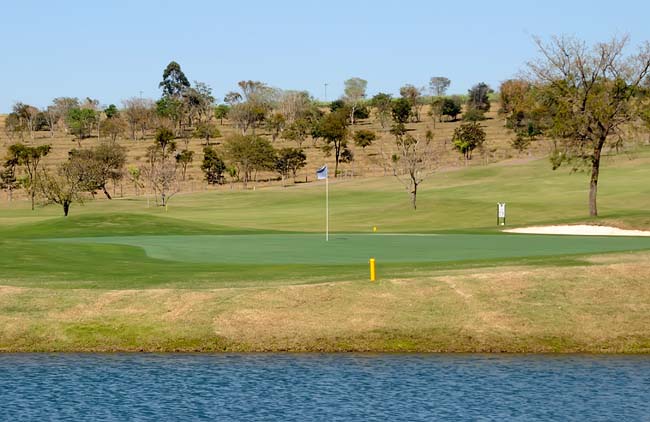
(250, 270)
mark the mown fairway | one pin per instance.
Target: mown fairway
(251, 270)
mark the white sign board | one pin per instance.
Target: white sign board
(502, 210)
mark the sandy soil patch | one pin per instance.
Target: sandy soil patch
(581, 230)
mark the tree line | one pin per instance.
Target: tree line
(578, 97)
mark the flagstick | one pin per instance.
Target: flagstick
(327, 209)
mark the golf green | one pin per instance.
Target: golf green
(342, 249)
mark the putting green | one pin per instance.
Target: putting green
(343, 249)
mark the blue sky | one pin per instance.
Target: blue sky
(111, 50)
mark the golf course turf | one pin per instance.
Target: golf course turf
(251, 271)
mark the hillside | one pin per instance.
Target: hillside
(368, 162)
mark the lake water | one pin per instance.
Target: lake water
(150, 387)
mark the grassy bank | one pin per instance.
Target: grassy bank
(118, 276)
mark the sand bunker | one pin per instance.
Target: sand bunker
(580, 230)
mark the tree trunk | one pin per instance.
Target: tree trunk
(593, 183)
(108, 195)
(33, 195)
(66, 208)
(414, 194)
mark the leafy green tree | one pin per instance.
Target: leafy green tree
(29, 158)
(8, 180)
(451, 107)
(80, 122)
(250, 154)
(333, 129)
(174, 82)
(413, 95)
(590, 94)
(206, 131)
(364, 138)
(288, 161)
(184, 159)
(135, 174)
(221, 112)
(298, 131)
(401, 110)
(473, 115)
(478, 97)
(382, 103)
(212, 166)
(467, 137)
(111, 111)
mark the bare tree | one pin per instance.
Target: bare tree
(138, 113)
(414, 158)
(354, 93)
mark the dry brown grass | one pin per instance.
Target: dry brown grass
(368, 162)
(595, 308)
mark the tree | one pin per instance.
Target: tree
(174, 81)
(354, 93)
(80, 122)
(160, 170)
(401, 110)
(411, 162)
(29, 158)
(289, 161)
(135, 174)
(99, 165)
(298, 131)
(213, 166)
(467, 137)
(199, 103)
(413, 95)
(138, 114)
(112, 128)
(8, 180)
(27, 116)
(250, 154)
(250, 107)
(473, 115)
(383, 105)
(478, 97)
(221, 112)
(59, 110)
(590, 94)
(438, 85)
(333, 129)
(451, 107)
(62, 187)
(111, 111)
(15, 126)
(294, 105)
(206, 131)
(184, 159)
(364, 138)
(275, 123)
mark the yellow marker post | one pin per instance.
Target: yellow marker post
(372, 269)
(374, 229)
